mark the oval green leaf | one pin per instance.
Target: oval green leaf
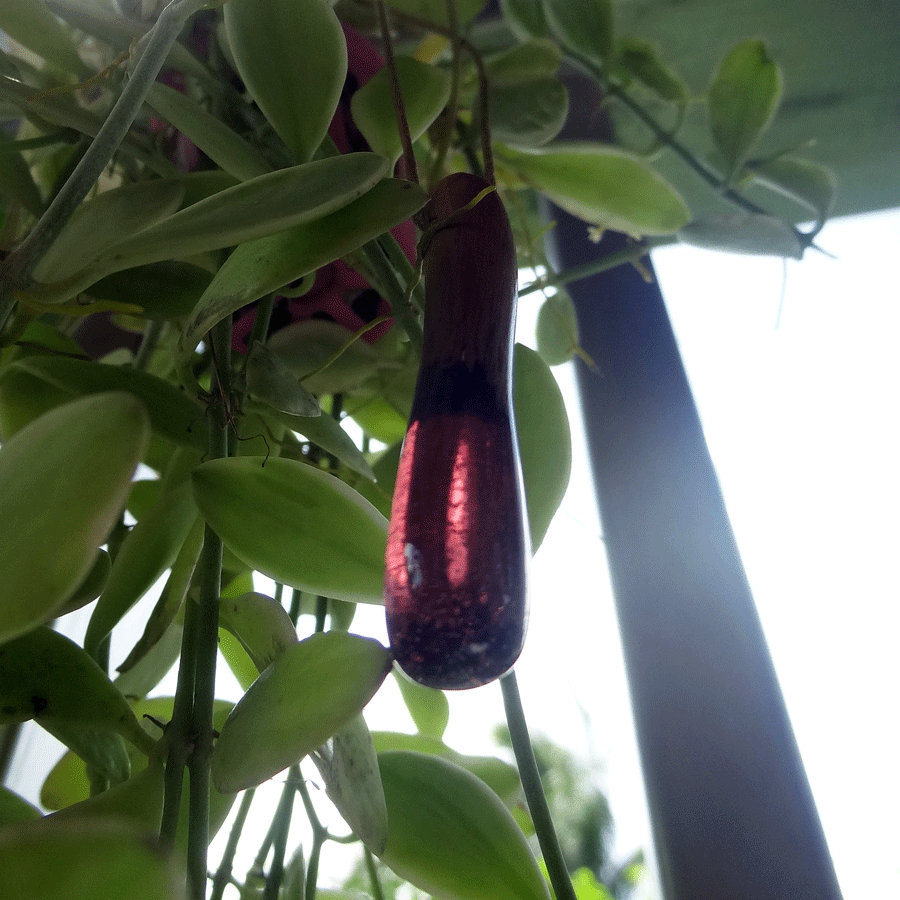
(429, 708)
(272, 382)
(808, 182)
(292, 56)
(604, 185)
(64, 480)
(528, 113)
(639, 59)
(450, 835)
(545, 441)
(297, 524)
(526, 18)
(557, 329)
(262, 626)
(523, 62)
(750, 233)
(425, 91)
(86, 860)
(743, 99)
(584, 26)
(310, 691)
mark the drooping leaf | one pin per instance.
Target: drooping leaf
(106, 220)
(45, 676)
(224, 147)
(545, 441)
(523, 62)
(348, 765)
(638, 58)
(557, 329)
(602, 184)
(86, 860)
(149, 549)
(292, 56)
(261, 624)
(64, 480)
(262, 266)
(748, 233)
(425, 91)
(272, 382)
(450, 835)
(173, 414)
(743, 98)
(311, 690)
(428, 707)
(584, 26)
(528, 113)
(297, 524)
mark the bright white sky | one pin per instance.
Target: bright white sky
(802, 424)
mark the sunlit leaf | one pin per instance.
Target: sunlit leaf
(450, 835)
(310, 691)
(545, 441)
(557, 329)
(604, 185)
(297, 524)
(64, 480)
(428, 707)
(292, 56)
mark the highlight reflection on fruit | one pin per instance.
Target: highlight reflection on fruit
(455, 583)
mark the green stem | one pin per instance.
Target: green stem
(372, 869)
(534, 790)
(320, 835)
(16, 269)
(207, 632)
(393, 292)
(600, 264)
(282, 824)
(223, 873)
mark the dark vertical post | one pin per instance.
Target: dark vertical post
(733, 817)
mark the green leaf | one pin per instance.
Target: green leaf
(500, 777)
(163, 290)
(297, 524)
(104, 753)
(272, 382)
(326, 433)
(602, 184)
(557, 329)
(67, 783)
(523, 62)
(450, 835)
(810, 183)
(428, 707)
(526, 18)
(31, 24)
(15, 809)
(64, 480)
(253, 209)
(349, 767)
(263, 266)
(105, 221)
(261, 625)
(92, 586)
(743, 99)
(637, 58)
(435, 11)
(170, 599)
(425, 90)
(587, 887)
(173, 414)
(528, 113)
(149, 549)
(584, 26)
(238, 659)
(86, 860)
(16, 180)
(310, 691)
(150, 670)
(292, 56)
(224, 147)
(47, 677)
(748, 233)
(545, 441)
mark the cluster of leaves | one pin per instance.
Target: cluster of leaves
(245, 473)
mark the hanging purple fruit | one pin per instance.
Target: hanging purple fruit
(455, 582)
